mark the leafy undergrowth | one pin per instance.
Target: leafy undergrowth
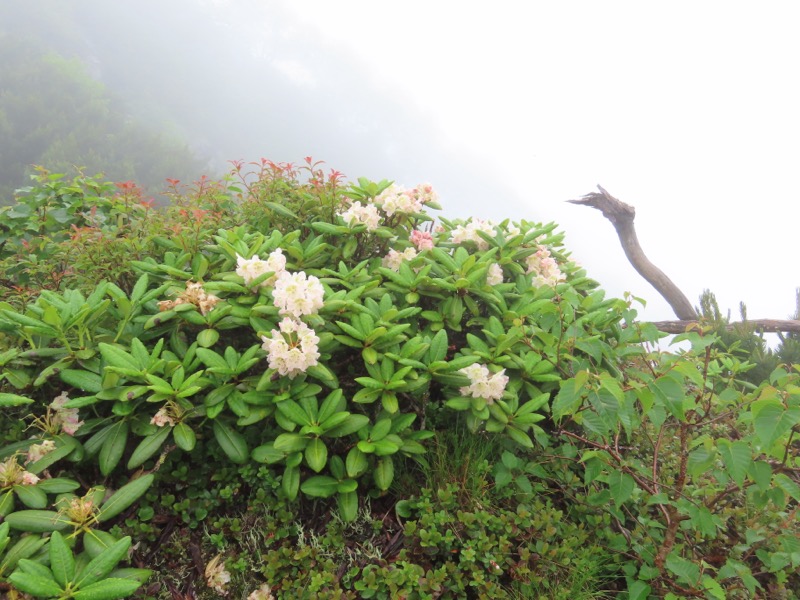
(283, 386)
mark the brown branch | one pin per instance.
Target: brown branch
(760, 325)
(621, 216)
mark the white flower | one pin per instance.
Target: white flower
(29, 478)
(162, 418)
(66, 417)
(544, 267)
(12, 473)
(469, 233)
(396, 198)
(483, 384)
(356, 213)
(194, 294)
(217, 577)
(262, 593)
(425, 193)
(393, 259)
(495, 275)
(251, 268)
(37, 451)
(297, 295)
(292, 349)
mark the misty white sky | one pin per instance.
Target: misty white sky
(686, 110)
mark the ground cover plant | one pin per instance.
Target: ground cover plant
(284, 385)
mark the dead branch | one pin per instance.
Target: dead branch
(759, 325)
(621, 216)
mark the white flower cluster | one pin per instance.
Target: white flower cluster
(396, 198)
(545, 268)
(292, 349)
(484, 384)
(67, 418)
(163, 418)
(251, 268)
(495, 275)
(425, 193)
(11, 473)
(297, 295)
(362, 214)
(40, 450)
(194, 294)
(469, 233)
(393, 259)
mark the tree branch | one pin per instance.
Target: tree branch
(621, 216)
(760, 325)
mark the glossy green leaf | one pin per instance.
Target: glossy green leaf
(232, 443)
(113, 447)
(124, 497)
(35, 585)
(319, 486)
(149, 446)
(7, 400)
(62, 563)
(101, 565)
(316, 454)
(37, 521)
(31, 496)
(184, 436)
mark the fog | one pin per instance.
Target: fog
(243, 81)
(508, 111)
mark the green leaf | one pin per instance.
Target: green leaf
(103, 564)
(114, 356)
(736, 456)
(292, 411)
(107, 589)
(84, 380)
(356, 463)
(290, 442)
(438, 347)
(267, 454)
(184, 437)
(352, 424)
(113, 447)
(621, 486)
(788, 485)
(638, 590)
(26, 546)
(232, 443)
(57, 485)
(124, 497)
(290, 483)
(319, 486)
(348, 506)
(384, 473)
(62, 563)
(687, 571)
(96, 541)
(35, 585)
(31, 496)
(148, 447)
(519, 436)
(316, 454)
(7, 400)
(37, 521)
(672, 394)
(207, 338)
(771, 420)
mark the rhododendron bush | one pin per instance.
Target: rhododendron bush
(330, 332)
